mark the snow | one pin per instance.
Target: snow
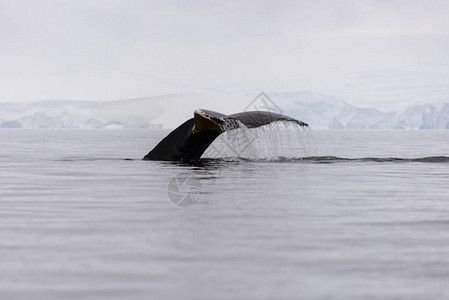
(320, 111)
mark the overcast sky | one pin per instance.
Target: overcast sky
(115, 49)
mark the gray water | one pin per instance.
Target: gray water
(363, 215)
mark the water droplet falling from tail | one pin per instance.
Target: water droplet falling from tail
(273, 141)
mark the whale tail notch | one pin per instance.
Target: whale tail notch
(189, 141)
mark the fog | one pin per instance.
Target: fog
(106, 50)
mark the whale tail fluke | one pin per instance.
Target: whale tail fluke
(189, 141)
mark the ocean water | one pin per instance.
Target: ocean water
(349, 215)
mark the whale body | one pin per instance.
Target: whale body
(189, 141)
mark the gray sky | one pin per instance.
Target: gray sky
(114, 49)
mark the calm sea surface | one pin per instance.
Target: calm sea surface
(363, 215)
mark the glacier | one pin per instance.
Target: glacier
(321, 111)
(324, 111)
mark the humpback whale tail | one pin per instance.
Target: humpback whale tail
(189, 141)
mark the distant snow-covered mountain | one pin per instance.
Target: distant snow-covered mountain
(321, 111)
(166, 111)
